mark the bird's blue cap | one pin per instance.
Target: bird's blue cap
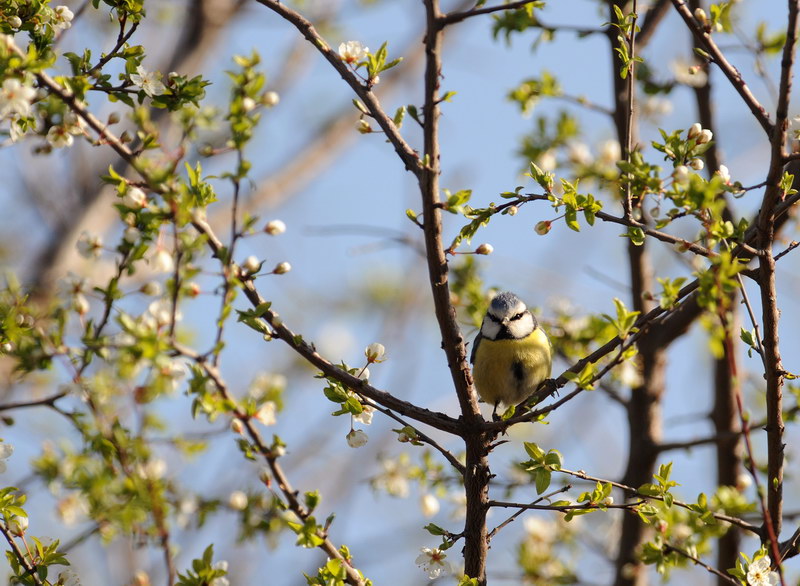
(505, 302)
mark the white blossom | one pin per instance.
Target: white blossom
(724, 174)
(394, 478)
(161, 310)
(59, 137)
(62, 18)
(429, 504)
(353, 51)
(148, 82)
(72, 508)
(547, 161)
(365, 416)
(80, 304)
(267, 413)
(5, 453)
(579, 154)
(610, 152)
(282, 268)
(162, 261)
(248, 104)
(74, 123)
(15, 98)
(154, 469)
(484, 249)
(238, 500)
(89, 245)
(705, 136)
(14, 21)
(220, 581)
(266, 382)
(759, 574)
(655, 107)
(432, 561)
(357, 438)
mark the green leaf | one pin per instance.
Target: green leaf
(542, 480)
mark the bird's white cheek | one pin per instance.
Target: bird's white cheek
(490, 329)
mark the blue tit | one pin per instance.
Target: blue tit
(511, 354)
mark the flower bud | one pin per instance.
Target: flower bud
(131, 235)
(251, 264)
(701, 16)
(543, 227)
(357, 438)
(375, 352)
(281, 268)
(134, 198)
(705, 136)
(271, 99)
(18, 525)
(363, 126)
(275, 227)
(238, 500)
(681, 174)
(484, 249)
(151, 288)
(694, 131)
(697, 164)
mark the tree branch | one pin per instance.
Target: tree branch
(453, 17)
(704, 38)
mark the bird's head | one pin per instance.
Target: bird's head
(507, 318)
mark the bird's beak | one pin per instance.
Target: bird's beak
(504, 321)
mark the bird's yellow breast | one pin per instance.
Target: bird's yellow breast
(509, 371)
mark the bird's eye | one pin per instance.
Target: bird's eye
(517, 316)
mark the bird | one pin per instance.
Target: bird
(511, 355)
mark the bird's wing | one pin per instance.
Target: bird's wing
(475, 348)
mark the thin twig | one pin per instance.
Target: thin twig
(289, 493)
(524, 508)
(454, 17)
(671, 548)
(635, 492)
(29, 568)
